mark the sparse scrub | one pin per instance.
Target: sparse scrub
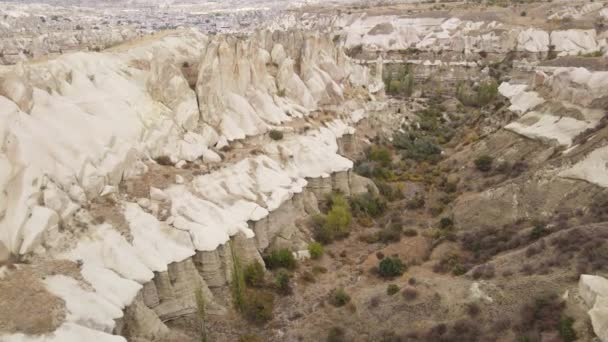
(368, 204)
(258, 306)
(545, 314)
(416, 202)
(417, 147)
(380, 154)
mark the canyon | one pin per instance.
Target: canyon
(460, 146)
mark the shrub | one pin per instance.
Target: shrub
(254, 274)
(410, 232)
(387, 190)
(446, 223)
(523, 13)
(319, 269)
(391, 267)
(336, 334)
(258, 306)
(308, 277)
(238, 285)
(336, 223)
(281, 258)
(392, 233)
(281, 281)
(316, 250)
(380, 154)
(566, 331)
(473, 309)
(339, 297)
(281, 93)
(417, 147)
(485, 93)
(484, 163)
(368, 204)
(163, 160)
(538, 231)
(275, 135)
(416, 202)
(409, 293)
(250, 338)
(391, 289)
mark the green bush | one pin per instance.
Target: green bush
(281, 258)
(281, 281)
(416, 202)
(485, 93)
(446, 223)
(368, 204)
(538, 231)
(336, 224)
(373, 169)
(237, 285)
(254, 274)
(392, 233)
(250, 338)
(316, 250)
(380, 154)
(391, 289)
(275, 135)
(339, 297)
(336, 334)
(566, 331)
(484, 163)
(403, 84)
(417, 147)
(258, 306)
(410, 232)
(391, 267)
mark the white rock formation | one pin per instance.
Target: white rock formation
(81, 124)
(594, 290)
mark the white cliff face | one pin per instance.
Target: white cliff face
(392, 33)
(594, 291)
(79, 125)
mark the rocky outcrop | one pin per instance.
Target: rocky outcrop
(150, 241)
(172, 294)
(594, 290)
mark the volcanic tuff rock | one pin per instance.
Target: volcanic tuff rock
(74, 190)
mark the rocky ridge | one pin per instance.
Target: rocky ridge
(138, 242)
